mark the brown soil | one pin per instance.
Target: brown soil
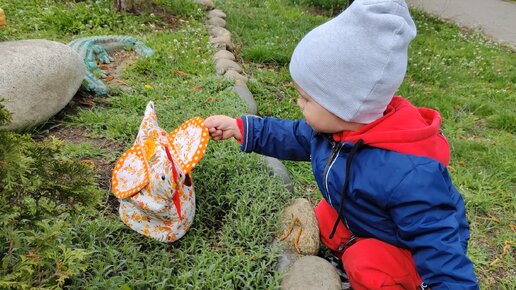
(102, 165)
(169, 21)
(325, 12)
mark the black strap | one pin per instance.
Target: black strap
(351, 155)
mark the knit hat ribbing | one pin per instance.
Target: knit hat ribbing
(353, 64)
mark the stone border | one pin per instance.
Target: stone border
(226, 65)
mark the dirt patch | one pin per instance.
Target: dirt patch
(102, 165)
(326, 12)
(272, 67)
(318, 11)
(170, 21)
(115, 68)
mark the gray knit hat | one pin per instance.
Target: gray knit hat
(353, 64)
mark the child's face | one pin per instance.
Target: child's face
(320, 119)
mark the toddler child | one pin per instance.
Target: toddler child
(390, 209)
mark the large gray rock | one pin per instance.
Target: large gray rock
(224, 54)
(208, 4)
(222, 65)
(311, 273)
(217, 31)
(286, 258)
(280, 170)
(216, 13)
(239, 79)
(222, 42)
(37, 79)
(216, 21)
(301, 209)
(244, 93)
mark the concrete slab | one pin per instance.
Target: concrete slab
(496, 18)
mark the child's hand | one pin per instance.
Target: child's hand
(222, 127)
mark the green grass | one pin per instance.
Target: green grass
(76, 239)
(470, 80)
(80, 242)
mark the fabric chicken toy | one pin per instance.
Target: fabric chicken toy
(2, 18)
(152, 179)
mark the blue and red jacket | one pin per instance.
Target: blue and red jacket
(396, 189)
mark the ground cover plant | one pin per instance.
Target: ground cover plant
(57, 234)
(470, 80)
(59, 221)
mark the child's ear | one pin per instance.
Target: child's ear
(131, 173)
(188, 143)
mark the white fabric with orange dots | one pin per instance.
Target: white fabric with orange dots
(152, 178)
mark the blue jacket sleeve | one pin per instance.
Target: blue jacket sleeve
(282, 139)
(425, 210)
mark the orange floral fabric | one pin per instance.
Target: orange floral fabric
(152, 178)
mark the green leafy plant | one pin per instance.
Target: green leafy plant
(38, 183)
(39, 257)
(39, 188)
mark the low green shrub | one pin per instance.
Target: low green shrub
(39, 190)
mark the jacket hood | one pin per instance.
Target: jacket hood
(406, 129)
